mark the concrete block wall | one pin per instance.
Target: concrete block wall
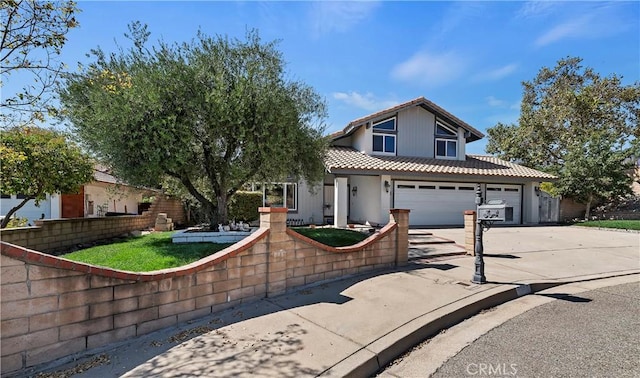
(51, 235)
(470, 232)
(171, 206)
(570, 209)
(54, 235)
(52, 308)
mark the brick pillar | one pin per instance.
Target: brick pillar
(275, 219)
(401, 218)
(470, 232)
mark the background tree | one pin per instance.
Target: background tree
(212, 114)
(579, 126)
(36, 162)
(33, 34)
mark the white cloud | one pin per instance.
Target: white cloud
(575, 28)
(494, 102)
(536, 8)
(365, 101)
(497, 73)
(430, 69)
(339, 16)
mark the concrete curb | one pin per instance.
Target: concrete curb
(369, 359)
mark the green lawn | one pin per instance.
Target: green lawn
(622, 224)
(145, 253)
(334, 237)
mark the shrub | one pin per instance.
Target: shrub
(244, 206)
(15, 222)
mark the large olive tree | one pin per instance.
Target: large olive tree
(212, 114)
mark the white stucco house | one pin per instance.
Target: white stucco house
(410, 156)
(105, 194)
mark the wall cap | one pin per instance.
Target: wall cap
(469, 212)
(264, 210)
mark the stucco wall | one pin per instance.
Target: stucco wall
(117, 199)
(52, 308)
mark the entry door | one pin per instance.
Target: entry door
(327, 205)
(73, 204)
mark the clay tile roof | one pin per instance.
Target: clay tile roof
(346, 158)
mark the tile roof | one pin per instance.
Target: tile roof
(420, 101)
(347, 158)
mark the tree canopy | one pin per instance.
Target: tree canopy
(36, 162)
(213, 114)
(579, 126)
(33, 34)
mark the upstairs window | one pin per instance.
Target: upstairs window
(446, 142)
(384, 136)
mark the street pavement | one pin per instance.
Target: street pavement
(567, 331)
(355, 326)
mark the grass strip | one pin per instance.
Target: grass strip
(619, 224)
(145, 253)
(334, 237)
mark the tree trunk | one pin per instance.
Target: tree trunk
(220, 215)
(587, 212)
(7, 217)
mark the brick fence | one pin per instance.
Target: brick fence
(53, 235)
(52, 308)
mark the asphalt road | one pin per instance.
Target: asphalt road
(590, 334)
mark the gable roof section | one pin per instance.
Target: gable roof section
(420, 101)
(348, 159)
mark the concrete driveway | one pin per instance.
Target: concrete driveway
(551, 250)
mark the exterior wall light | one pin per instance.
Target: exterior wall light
(387, 185)
(354, 191)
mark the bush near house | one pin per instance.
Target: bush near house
(244, 206)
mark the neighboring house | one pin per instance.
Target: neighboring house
(103, 195)
(410, 156)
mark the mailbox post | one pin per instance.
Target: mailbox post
(487, 213)
(478, 276)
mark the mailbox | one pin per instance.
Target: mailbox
(494, 210)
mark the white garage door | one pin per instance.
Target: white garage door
(511, 194)
(443, 203)
(434, 203)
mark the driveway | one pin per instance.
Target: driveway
(551, 251)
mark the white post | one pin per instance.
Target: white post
(340, 202)
(56, 206)
(385, 198)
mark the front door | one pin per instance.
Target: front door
(73, 204)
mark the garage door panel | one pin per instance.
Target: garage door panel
(511, 194)
(443, 203)
(433, 205)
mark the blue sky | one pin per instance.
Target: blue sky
(469, 57)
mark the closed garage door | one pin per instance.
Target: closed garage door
(443, 203)
(434, 203)
(511, 194)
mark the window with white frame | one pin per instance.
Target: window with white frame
(278, 194)
(384, 136)
(446, 141)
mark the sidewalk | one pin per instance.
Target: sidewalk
(355, 326)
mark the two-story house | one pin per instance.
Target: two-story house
(411, 156)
